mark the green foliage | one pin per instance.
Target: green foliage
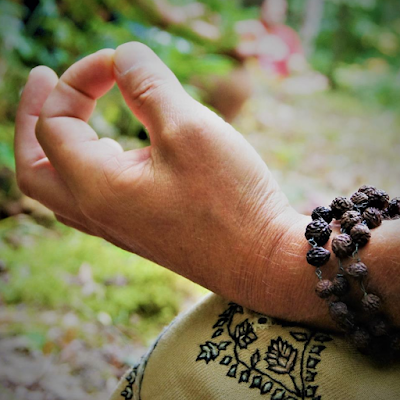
(372, 82)
(52, 271)
(353, 31)
(6, 146)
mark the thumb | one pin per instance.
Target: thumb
(151, 90)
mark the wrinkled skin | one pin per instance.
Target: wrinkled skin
(199, 200)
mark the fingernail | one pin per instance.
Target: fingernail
(34, 68)
(128, 54)
(123, 60)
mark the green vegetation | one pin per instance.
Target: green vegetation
(63, 269)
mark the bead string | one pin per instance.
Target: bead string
(368, 330)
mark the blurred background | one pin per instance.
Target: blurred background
(314, 85)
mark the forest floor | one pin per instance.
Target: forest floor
(74, 315)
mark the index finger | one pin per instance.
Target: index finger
(71, 145)
(27, 149)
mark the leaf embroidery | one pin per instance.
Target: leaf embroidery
(255, 358)
(300, 336)
(209, 351)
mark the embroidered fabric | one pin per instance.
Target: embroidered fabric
(220, 350)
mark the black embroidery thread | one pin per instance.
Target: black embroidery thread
(276, 378)
(127, 393)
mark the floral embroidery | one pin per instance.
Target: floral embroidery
(244, 334)
(281, 356)
(285, 369)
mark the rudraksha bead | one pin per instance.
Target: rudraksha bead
(394, 207)
(358, 269)
(340, 286)
(379, 199)
(369, 190)
(318, 256)
(371, 303)
(360, 234)
(348, 323)
(319, 230)
(322, 212)
(361, 338)
(372, 216)
(343, 245)
(360, 201)
(378, 327)
(338, 311)
(339, 206)
(349, 219)
(324, 288)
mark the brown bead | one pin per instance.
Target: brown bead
(360, 234)
(322, 212)
(349, 219)
(338, 311)
(340, 286)
(324, 288)
(318, 256)
(372, 216)
(361, 338)
(379, 199)
(339, 206)
(371, 303)
(369, 190)
(378, 327)
(394, 207)
(348, 324)
(358, 269)
(360, 200)
(318, 230)
(343, 245)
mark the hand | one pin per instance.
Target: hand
(199, 200)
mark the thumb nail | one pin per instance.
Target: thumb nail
(127, 55)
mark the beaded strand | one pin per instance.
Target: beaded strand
(364, 323)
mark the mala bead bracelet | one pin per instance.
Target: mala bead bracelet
(363, 321)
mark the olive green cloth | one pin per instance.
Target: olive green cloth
(220, 350)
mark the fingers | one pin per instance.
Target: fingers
(41, 82)
(151, 90)
(79, 87)
(35, 175)
(70, 143)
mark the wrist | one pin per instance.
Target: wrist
(286, 282)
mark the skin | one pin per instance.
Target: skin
(198, 201)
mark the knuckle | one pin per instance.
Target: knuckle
(147, 88)
(194, 134)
